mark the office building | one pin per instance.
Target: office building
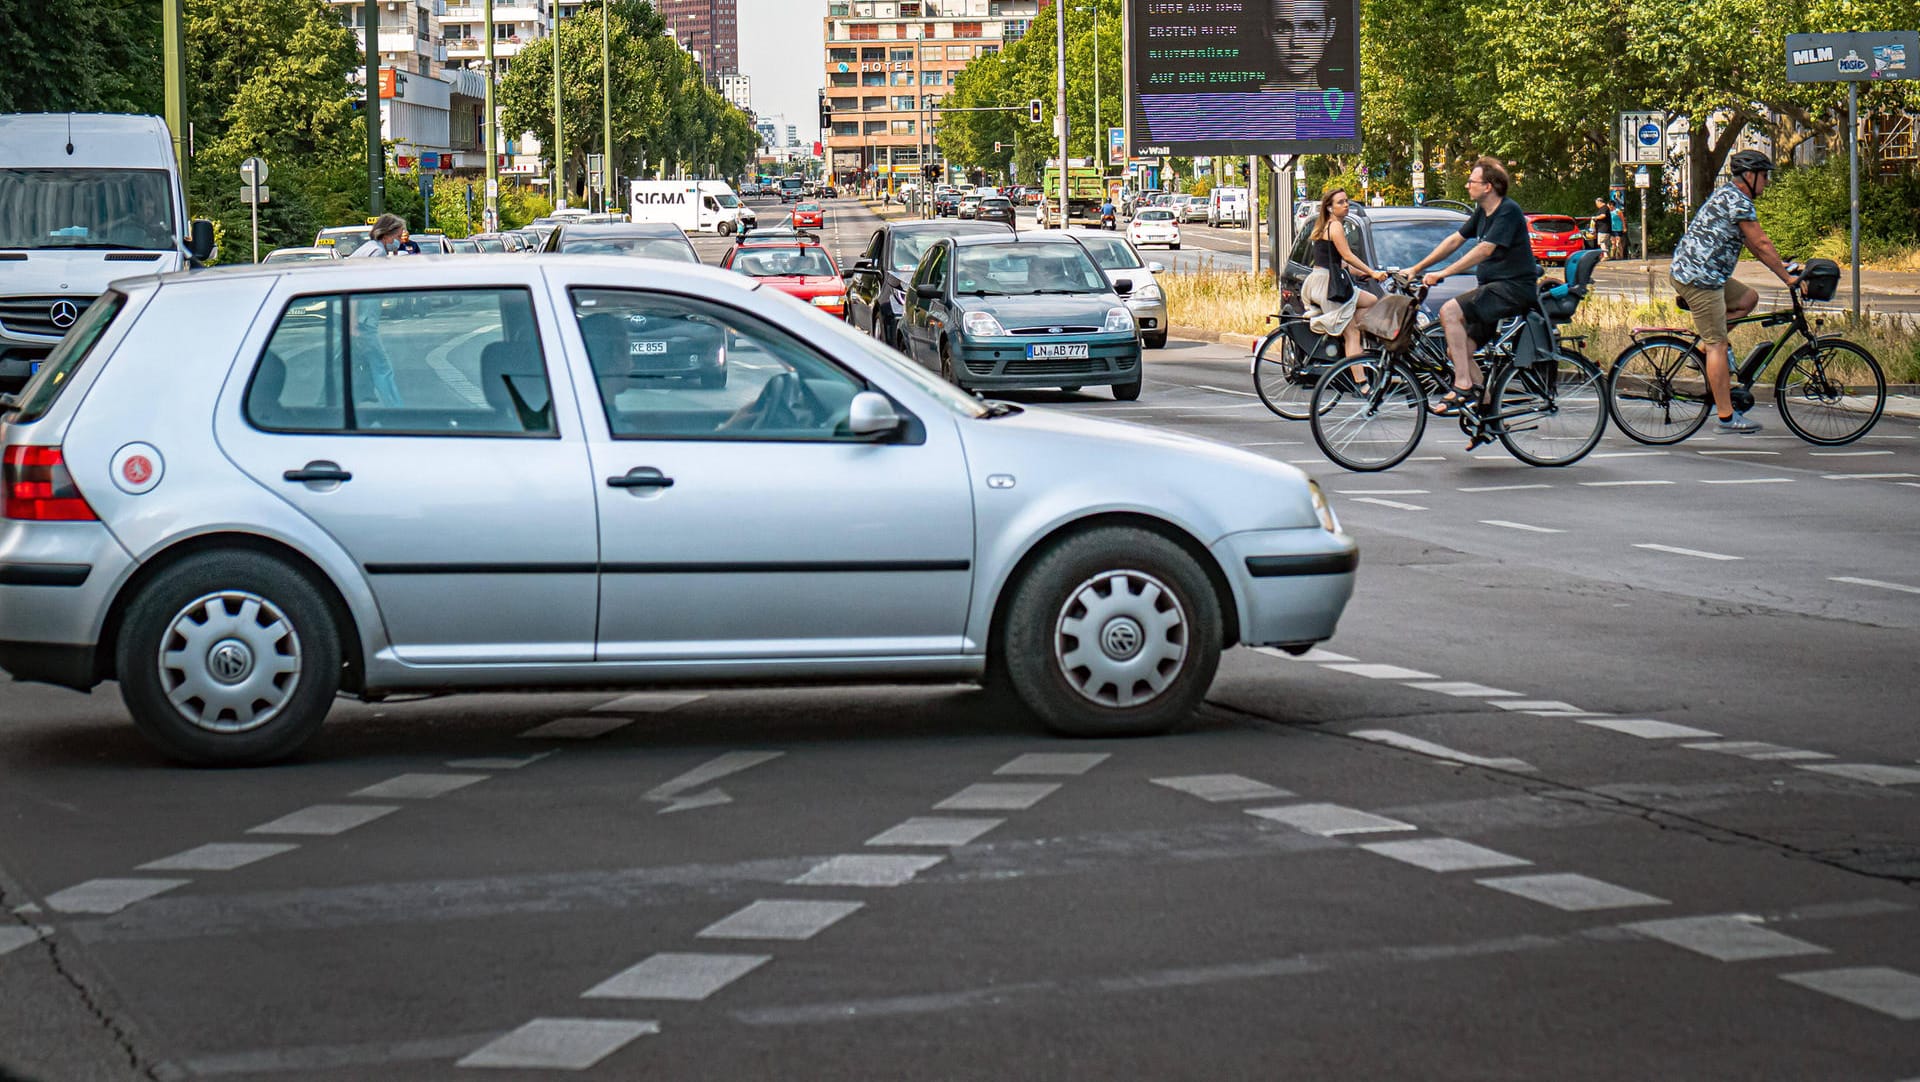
(708, 28)
(738, 89)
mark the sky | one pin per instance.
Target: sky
(782, 47)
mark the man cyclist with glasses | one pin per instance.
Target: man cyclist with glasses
(1702, 273)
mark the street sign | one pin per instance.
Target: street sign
(253, 171)
(1643, 138)
(1641, 178)
(1853, 58)
(593, 163)
(1419, 179)
(247, 194)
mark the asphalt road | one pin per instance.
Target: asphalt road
(1610, 773)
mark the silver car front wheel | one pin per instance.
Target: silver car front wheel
(1121, 638)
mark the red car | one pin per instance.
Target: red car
(809, 216)
(800, 267)
(1554, 237)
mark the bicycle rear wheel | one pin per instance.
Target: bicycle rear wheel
(1658, 391)
(1282, 377)
(1552, 413)
(1830, 392)
(1374, 430)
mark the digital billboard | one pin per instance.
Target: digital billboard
(1239, 77)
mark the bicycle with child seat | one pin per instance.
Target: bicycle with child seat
(1829, 391)
(1289, 361)
(1544, 401)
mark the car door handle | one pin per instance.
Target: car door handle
(641, 477)
(317, 472)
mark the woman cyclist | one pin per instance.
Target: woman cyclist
(1331, 254)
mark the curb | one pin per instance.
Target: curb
(1234, 339)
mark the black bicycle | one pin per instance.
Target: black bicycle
(1829, 391)
(1289, 361)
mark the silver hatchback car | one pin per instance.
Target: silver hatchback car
(242, 493)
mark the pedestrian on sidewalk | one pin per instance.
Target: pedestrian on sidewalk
(1603, 226)
(389, 237)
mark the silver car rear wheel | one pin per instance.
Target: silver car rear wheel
(229, 661)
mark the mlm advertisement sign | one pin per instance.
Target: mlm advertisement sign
(1239, 77)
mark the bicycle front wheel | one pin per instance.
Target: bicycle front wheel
(1368, 415)
(1830, 392)
(1551, 413)
(1282, 377)
(1658, 393)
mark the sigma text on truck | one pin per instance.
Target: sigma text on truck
(697, 206)
(85, 198)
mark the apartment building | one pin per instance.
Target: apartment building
(710, 29)
(409, 32)
(888, 61)
(738, 89)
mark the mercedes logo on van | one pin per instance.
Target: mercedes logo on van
(63, 314)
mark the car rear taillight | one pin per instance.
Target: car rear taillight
(36, 487)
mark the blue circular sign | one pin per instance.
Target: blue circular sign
(1649, 135)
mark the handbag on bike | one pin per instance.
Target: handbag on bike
(1391, 320)
(1339, 285)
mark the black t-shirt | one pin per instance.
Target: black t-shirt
(1603, 219)
(1506, 230)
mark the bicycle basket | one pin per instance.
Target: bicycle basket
(1313, 345)
(1821, 280)
(1391, 321)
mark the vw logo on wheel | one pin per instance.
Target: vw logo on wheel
(229, 662)
(1122, 639)
(63, 314)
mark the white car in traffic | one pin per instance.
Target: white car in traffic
(1155, 225)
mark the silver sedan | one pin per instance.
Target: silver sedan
(460, 474)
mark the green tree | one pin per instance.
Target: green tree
(80, 56)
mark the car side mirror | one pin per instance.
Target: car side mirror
(1156, 268)
(872, 414)
(1123, 286)
(200, 240)
(927, 291)
(864, 264)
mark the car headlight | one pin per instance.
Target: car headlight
(830, 300)
(1149, 293)
(982, 325)
(1323, 509)
(1118, 319)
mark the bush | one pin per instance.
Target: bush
(1803, 206)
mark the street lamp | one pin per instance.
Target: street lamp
(1099, 131)
(606, 107)
(559, 192)
(491, 218)
(1060, 97)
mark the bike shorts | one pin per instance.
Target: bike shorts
(1709, 306)
(1494, 301)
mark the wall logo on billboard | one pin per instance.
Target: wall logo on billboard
(1889, 58)
(1851, 64)
(1821, 55)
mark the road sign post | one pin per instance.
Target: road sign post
(253, 174)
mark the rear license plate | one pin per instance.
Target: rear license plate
(649, 349)
(1556, 254)
(1057, 351)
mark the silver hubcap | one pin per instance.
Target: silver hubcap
(229, 661)
(1121, 638)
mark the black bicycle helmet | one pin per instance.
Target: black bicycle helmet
(1750, 161)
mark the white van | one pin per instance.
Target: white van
(85, 198)
(697, 206)
(1227, 206)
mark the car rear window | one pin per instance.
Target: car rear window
(672, 248)
(1554, 225)
(58, 370)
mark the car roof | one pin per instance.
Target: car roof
(416, 272)
(1401, 214)
(621, 229)
(1049, 237)
(954, 228)
(307, 250)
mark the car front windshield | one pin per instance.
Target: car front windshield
(345, 239)
(727, 199)
(1025, 269)
(1111, 253)
(1402, 244)
(87, 208)
(641, 247)
(783, 262)
(908, 248)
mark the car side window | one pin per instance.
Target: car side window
(672, 367)
(875, 246)
(933, 270)
(1303, 247)
(441, 362)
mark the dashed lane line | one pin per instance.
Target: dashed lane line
(865, 870)
(1440, 751)
(1462, 689)
(1751, 481)
(1330, 820)
(1378, 672)
(1688, 552)
(1884, 989)
(1445, 855)
(576, 728)
(1502, 488)
(682, 976)
(558, 1044)
(1629, 454)
(934, 830)
(1730, 937)
(1647, 728)
(1871, 773)
(1865, 476)
(1504, 524)
(647, 702)
(218, 857)
(1570, 892)
(1053, 763)
(992, 796)
(1383, 491)
(779, 918)
(1757, 750)
(1221, 788)
(1877, 583)
(1621, 484)
(1739, 452)
(1225, 390)
(1847, 454)
(418, 786)
(105, 896)
(325, 820)
(497, 763)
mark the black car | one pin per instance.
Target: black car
(1385, 238)
(995, 208)
(946, 204)
(647, 240)
(877, 281)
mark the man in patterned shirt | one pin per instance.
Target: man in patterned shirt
(1702, 272)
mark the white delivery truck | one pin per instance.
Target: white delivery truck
(85, 198)
(1227, 206)
(697, 206)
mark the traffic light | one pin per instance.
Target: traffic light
(1033, 110)
(826, 114)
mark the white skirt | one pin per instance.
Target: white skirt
(1323, 316)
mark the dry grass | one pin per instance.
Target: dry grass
(1233, 301)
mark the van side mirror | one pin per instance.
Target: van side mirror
(871, 414)
(200, 240)
(927, 291)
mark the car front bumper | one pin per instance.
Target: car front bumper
(1151, 316)
(1290, 586)
(1002, 363)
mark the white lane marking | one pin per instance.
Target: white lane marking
(1876, 582)
(683, 976)
(558, 1044)
(1847, 454)
(1569, 892)
(1647, 728)
(1502, 488)
(1314, 655)
(1865, 476)
(1877, 988)
(865, 870)
(1552, 706)
(497, 763)
(1730, 937)
(1220, 788)
(1752, 481)
(1756, 749)
(109, 895)
(1629, 454)
(1518, 526)
(1428, 458)
(1275, 443)
(1383, 491)
(1378, 672)
(13, 937)
(1619, 484)
(1739, 452)
(326, 819)
(418, 786)
(733, 762)
(997, 796)
(1439, 751)
(1224, 390)
(1462, 689)
(776, 919)
(932, 830)
(1395, 504)
(647, 702)
(1306, 461)
(576, 728)
(1444, 855)
(1690, 552)
(1329, 820)
(218, 857)
(1871, 773)
(1565, 713)
(1054, 763)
